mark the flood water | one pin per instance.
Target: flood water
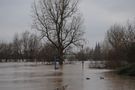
(29, 76)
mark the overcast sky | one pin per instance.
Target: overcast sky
(99, 15)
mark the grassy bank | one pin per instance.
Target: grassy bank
(127, 70)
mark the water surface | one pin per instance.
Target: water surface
(29, 76)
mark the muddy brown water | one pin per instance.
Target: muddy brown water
(28, 76)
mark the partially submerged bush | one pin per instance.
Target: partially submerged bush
(127, 70)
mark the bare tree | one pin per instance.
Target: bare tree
(6, 51)
(121, 39)
(116, 36)
(59, 22)
(2, 51)
(25, 44)
(130, 33)
(116, 39)
(34, 45)
(17, 47)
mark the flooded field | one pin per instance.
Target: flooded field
(29, 76)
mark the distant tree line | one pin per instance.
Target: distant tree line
(26, 47)
(87, 53)
(119, 45)
(117, 49)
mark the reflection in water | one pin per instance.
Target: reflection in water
(58, 81)
(14, 76)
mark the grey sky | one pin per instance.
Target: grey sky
(99, 15)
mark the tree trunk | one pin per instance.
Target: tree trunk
(61, 59)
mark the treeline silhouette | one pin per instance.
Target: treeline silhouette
(117, 49)
(119, 44)
(26, 47)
